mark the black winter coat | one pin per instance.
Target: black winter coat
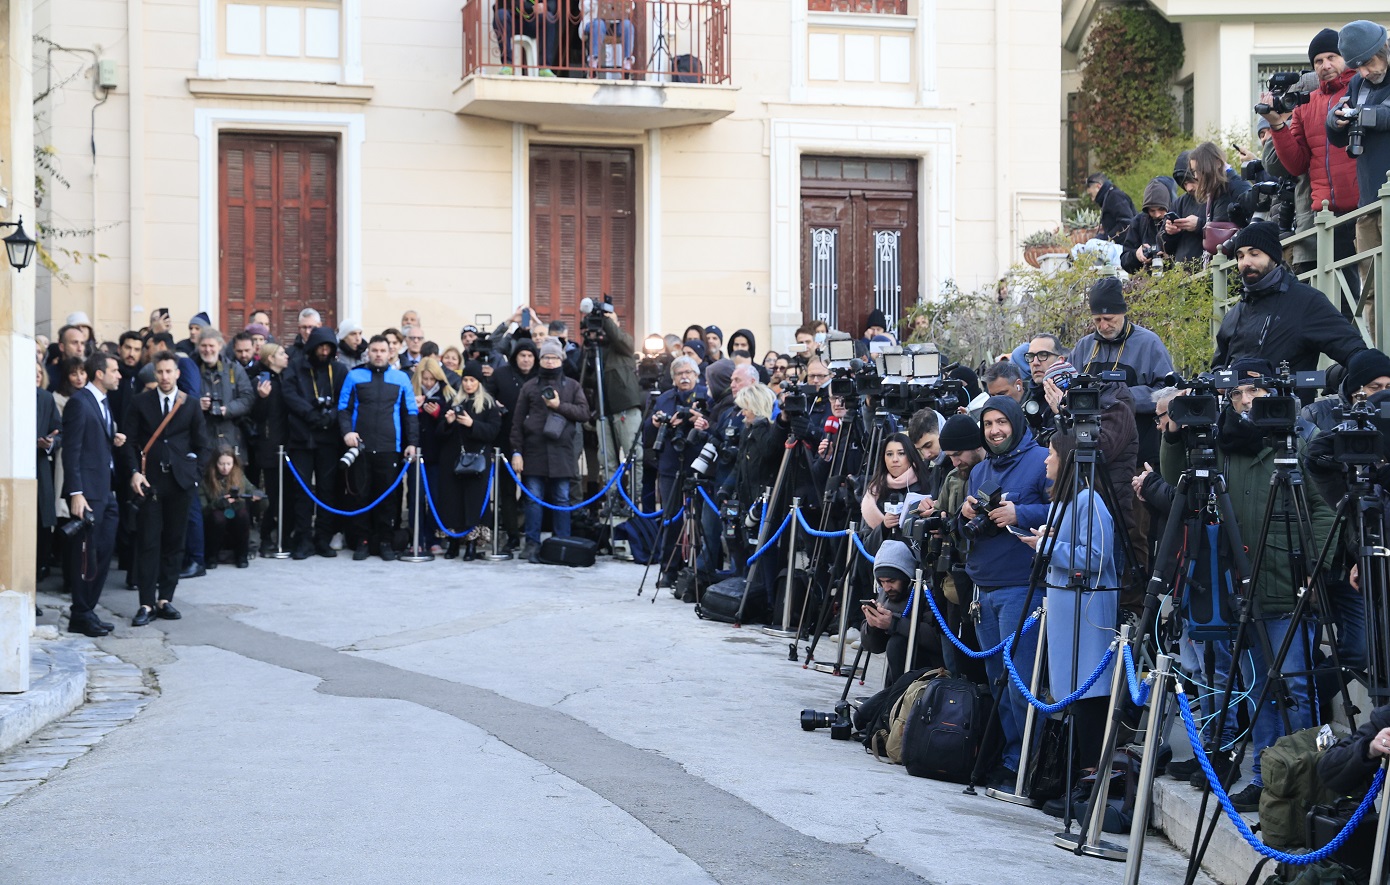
(271, 416)
(544, 457)
(1292, 321)
(1116, 211)
(1346, 767)
(308, 383)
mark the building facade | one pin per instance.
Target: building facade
(751, 162)
(1231, 47)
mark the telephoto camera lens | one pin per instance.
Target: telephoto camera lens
(351, 455)
(709, 454)
(811, 720)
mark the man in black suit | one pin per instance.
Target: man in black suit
(164, 479)
(89, 442)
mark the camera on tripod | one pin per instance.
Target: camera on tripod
(1282, 100)
(483, 348)
(1278, 412)
(591, 326)
(840, 724)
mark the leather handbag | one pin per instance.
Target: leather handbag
(1214, 233)
(470, 464)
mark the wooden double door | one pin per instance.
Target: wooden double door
(859, 240)
(583, 230)
(278, 229)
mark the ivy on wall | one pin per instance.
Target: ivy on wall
(1127, 68)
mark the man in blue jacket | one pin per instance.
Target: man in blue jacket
(377, 417)
(999, 563)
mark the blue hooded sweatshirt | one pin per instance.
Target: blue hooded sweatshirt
(1003, 560)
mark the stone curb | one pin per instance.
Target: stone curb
(60, 689)
(1229, 859)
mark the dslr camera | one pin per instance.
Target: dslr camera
(1282, 100)
(324, 416)
(73, 527)
(351, 455)
(989, 496)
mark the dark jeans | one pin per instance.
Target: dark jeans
(232, 534)
(552, 491)
(193, 535)
(160, 536)
(370, 476)
(509, 520)
(547, 37)
(319, 470)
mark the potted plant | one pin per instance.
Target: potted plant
(1045, 242)
(1082, 224)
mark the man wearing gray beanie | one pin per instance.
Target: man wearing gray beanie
(1361, 124)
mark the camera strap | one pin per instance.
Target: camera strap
(154, 438)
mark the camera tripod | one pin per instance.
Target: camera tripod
(1287, 493)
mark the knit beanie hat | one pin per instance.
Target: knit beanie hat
(716, 332)
(200, 319)
(1364, 367)
(1359, 41)
(1061, 374)
(698, 347)
(1262, 235)
(1250, 367)
(258, 329)
(876, 318)
(1325, 41)
(894, 560)
(347, 327)
(552, 348)
(960, 434)
(1107, 296)
(473, 369)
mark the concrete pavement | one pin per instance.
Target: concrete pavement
(496, 722)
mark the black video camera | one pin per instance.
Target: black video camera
(1278, 412)
(1283, 101)
(483, 349)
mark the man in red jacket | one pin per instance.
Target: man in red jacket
(1300, 140)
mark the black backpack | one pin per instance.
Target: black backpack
(944, 732)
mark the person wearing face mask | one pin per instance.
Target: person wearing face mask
(505, 386)
(998, 564)
(1278, 318)
(546, 461)
(470, 424)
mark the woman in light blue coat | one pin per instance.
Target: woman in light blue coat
(1085, 621)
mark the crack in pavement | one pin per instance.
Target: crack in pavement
(732, 840)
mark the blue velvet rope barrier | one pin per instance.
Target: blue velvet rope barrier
(617, 474)
(771, 541)
(708, 503)
(1137, 692)
(965, 649)
(815, 533)
(1281, 856)
(654, 514)
(1049, 709)
(429, 499)
(349, 513)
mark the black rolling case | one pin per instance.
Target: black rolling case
(578, 552)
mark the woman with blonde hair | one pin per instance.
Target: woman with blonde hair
(470, 426)
(432, 398)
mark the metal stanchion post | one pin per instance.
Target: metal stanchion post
(1158, 699)
(280, 551)
(422, 553)
(914, 603)
(838, 669)
(1020, 794)
(787, 632)
(497, 554)
(1090, 843)
(1382, 828)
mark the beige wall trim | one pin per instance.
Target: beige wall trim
(204, 87)
(933, 144)
(521, 227)
(651, 239)
(352, 127)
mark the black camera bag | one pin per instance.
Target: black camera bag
(945, 730)
(720, 602)
(577, 552)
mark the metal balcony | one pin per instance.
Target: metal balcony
(635, 65)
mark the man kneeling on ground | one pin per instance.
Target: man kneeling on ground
(887, 621)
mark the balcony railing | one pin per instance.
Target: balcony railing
(651, 41)
(1327, 275)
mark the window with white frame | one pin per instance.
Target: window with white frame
(304, 40)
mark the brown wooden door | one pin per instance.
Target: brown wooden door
(859, 240)
(278, 229)
(583, 234)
